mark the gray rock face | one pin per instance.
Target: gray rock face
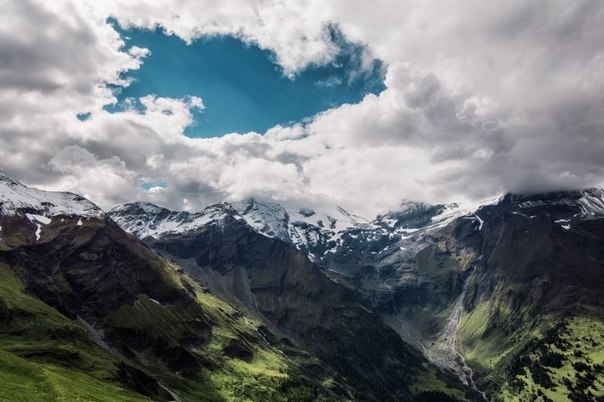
(280, 284)
(424, 270)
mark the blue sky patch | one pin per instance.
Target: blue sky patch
(241, 86)
(83, 116)
(154, 184)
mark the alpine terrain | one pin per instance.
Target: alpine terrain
(252, 300)
(508, 298)
(89, 312)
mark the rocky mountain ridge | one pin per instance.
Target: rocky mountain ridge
(507, 298)
(471, 289)
(100, 315)
(315, 233)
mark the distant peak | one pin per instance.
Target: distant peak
(252, 204)
(16, 198)
(406, 207)
(342, 210)
(353, 217)
(253, 201)
(587, 202)
(551, 196)
(140, 205)
(306, 212)
(4, 178)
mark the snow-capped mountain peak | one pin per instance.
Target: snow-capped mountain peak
(268, 218)
(16, 198)
(592, 202)
(301, 227)
(415, 215)
(338, 237)
(318, 234)
(575, 204)
(143, 219)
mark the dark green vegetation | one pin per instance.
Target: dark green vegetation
(45, 356)
(506, 299)
(535, 306)
(89, 313)
(528, 286)
(566, 362)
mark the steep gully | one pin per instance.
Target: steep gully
(444, 352)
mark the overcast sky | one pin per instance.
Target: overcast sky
(478, 98)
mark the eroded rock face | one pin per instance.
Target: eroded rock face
(93, 270)
(80, 293)
(279, 283)
(544, 253)
(148, 320)
(473, 284)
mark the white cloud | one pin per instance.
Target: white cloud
(139, 52)
(294, 30)
(85, 173)
(480, 98)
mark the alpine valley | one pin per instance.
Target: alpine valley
(251, 301)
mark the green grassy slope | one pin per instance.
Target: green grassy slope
(88, 313)
(533, 321)
(559, 359)
(44, 356)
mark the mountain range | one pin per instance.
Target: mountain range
(253, 300)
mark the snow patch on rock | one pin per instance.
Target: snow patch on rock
(15, 198)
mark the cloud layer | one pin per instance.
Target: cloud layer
(480, 99)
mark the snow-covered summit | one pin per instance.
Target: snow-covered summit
(268, 218)
(564, 208)
(15, 198)
(301, 227)
(297, 226)
(143, 219)
(592, 202)
(415, 215)
(317, 233)
(576, 204)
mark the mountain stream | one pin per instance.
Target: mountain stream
(443, 351)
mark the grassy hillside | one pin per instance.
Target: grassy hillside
(44, 356)
(88, 313)
(560, 359)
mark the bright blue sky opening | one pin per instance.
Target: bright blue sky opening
(83, 116)
(151, 184)
(242, 88)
